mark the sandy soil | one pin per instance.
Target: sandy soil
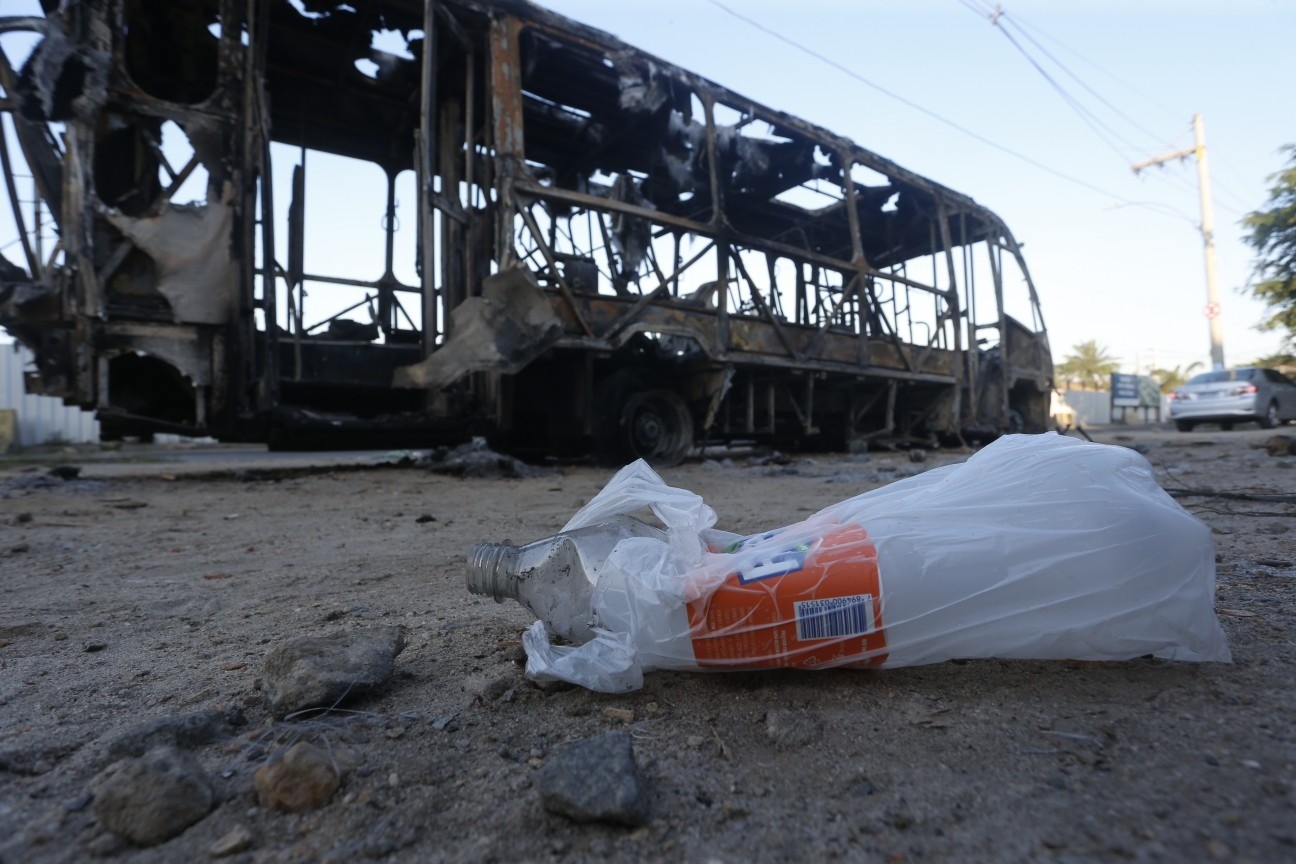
(186, 580)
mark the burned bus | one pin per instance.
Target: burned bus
(577, 247)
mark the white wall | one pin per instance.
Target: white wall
(1093, 408)
(41, 419)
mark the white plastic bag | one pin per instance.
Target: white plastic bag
(1037, 547)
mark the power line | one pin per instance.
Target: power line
(1089, 118)
(1119, 113)
(1151, 99)
(914, 105)
(996, 13)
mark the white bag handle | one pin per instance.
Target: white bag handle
(636, 486)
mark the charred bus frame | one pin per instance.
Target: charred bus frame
(612, 252)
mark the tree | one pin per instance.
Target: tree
(1169, 379)
(1088, 365)
(1271, 232)
(1282, 361)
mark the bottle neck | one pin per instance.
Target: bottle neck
(493, 571)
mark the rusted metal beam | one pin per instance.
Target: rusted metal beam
(555, 274)
(630, 314)
(33, 262)
(765, 310)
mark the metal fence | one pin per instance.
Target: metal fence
(41, 419)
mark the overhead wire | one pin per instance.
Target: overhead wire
(996, 13)
(1090, 119)
(1001, 20)
(851, 73)
(1149, 98)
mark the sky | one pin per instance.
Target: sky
(1121, 264)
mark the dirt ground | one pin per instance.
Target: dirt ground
(151, 587)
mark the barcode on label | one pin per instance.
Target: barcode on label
(834, 617)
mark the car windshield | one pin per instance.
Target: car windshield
(1222, 375)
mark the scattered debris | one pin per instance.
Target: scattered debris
(320, 672)
(478, 461)
(303, 778)
(152, 798)
(596, 780)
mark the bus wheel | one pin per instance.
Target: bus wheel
(655, 425)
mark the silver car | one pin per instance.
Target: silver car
(1229, 396)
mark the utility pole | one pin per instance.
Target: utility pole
(1212, 310)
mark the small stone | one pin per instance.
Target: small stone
(22, 518)
(91, 647)
(184, 730)
(425, 518)
(595, 780)
(917, 454)
(76, 805)
(19, 549)
(65, 472)
(303, 778)
(496, 688)
(239, 839)
(1281, 445)
(789, 730)
(320, 672)
(154, 797)
(106, 845)
(625, 715)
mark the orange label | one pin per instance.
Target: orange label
(806, 605)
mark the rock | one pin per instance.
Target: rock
(303, 778)
(38, 759)
(65, 472)
(425, 518)
(595, 780)
(319, 672)
(917, 454)
(789, 730)
(19, 549)
(152, 798)
(185, 731)
(496, 688)
(1281, 445)
(239, 839)
(91, 647)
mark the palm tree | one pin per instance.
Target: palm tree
(1169, 379)
(1088, 365)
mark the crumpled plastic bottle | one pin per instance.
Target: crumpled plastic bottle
(1037, 547)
